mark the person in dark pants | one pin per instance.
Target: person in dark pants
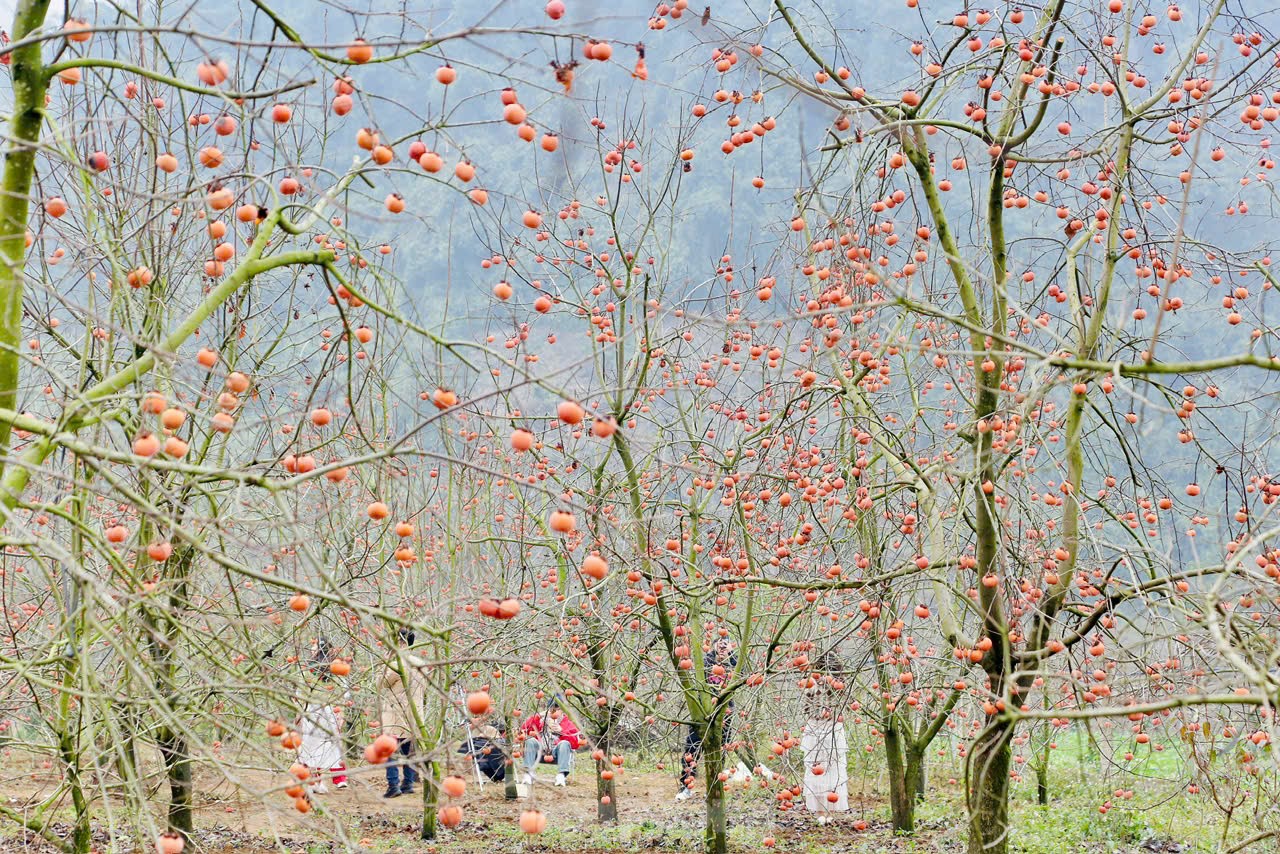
(395, 788)
(719, 661)
(401, 702)
(487, 748)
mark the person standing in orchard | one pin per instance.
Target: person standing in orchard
(320, 725)
(400, 700)
(720, 661)
(824, 742)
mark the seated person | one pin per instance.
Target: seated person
(550, 737)
(488, 749)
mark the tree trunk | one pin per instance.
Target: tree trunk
(606, 797)
(82, 832)
(70, 726)
(430, 771)
(716, 836)
(175, 751)
(27, 74)
(430, 781)
(509, 790)
(177, 766)
(1042, 773)
(915, 778)
(989, 790)
(902, 800)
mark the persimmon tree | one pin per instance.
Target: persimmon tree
(683, 432)
(1021, 212)
(197, 422)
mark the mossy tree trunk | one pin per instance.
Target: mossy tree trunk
(901, 799)
(30, 83)
(176, 754)
(430, 798)
(989, 790)
(606, 795)
(716, 835)
(509, 789)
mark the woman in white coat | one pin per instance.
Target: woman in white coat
(825, 745)
(321, 726)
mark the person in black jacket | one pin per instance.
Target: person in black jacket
(719, 662)
(486, 746)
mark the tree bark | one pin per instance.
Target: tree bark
(509, 790)
(175, 751)
(716, 836)
(989, 790)
(30, 83)
(901, 787)
(606, 798)
(430, 771)
(177, 765)
(430, 782)
(82, 831)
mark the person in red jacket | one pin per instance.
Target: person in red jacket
(551, 734)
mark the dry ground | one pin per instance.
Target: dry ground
(235, 817)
